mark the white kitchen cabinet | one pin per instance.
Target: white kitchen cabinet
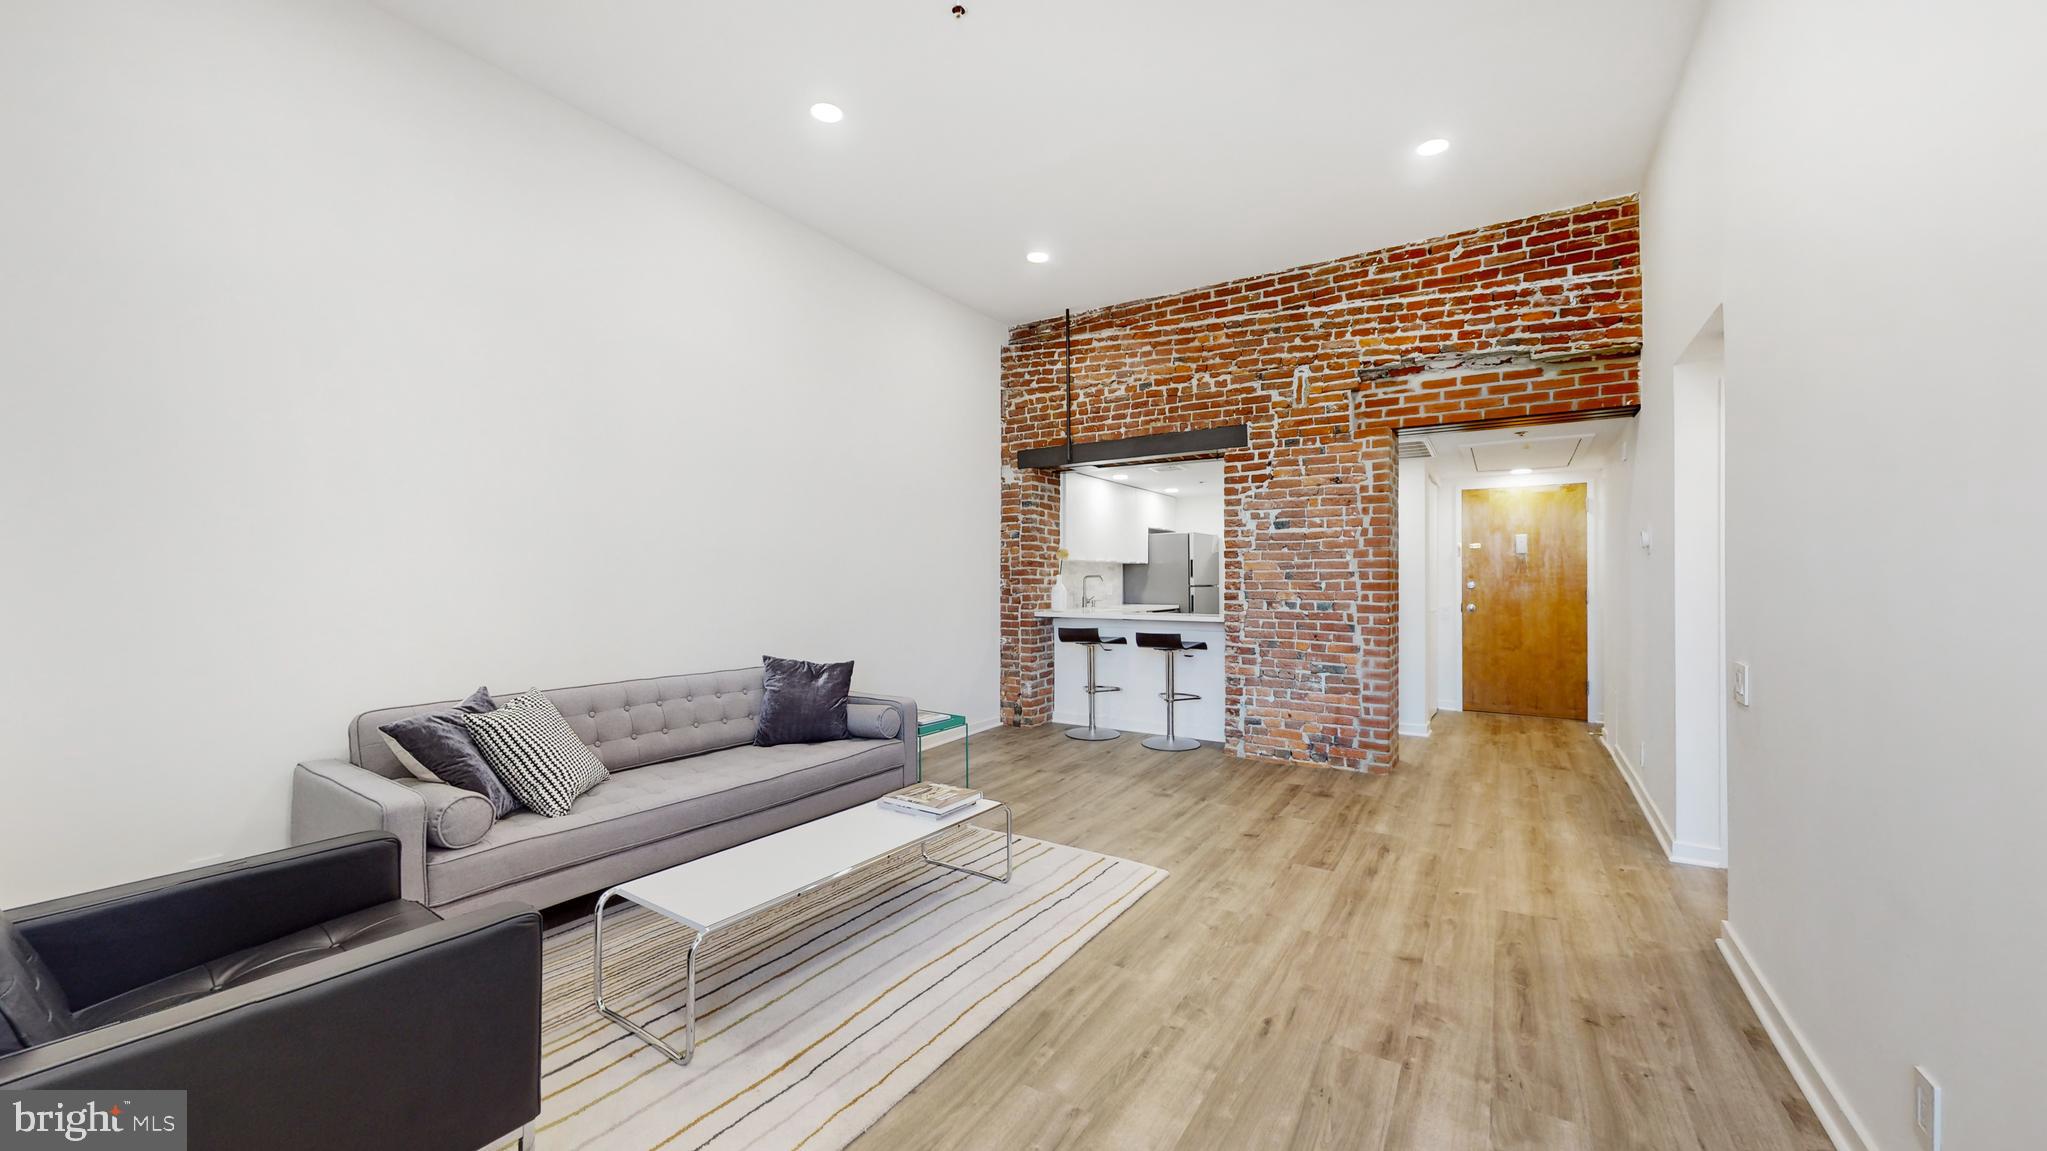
(1100, 520)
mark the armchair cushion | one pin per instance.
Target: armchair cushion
(32, 1007)
(427, 1039)
(192, 917)
(343, 933)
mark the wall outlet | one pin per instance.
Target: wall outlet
(1926, 1109)
(1741, 683)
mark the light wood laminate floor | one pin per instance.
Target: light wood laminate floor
(1483, 949)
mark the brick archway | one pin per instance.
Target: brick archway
(1324, 364)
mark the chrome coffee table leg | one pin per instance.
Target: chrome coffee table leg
(1008, 851)
(689, 1001)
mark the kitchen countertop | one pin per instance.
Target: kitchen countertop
(1139, 612)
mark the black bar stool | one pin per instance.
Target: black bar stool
(1174, 647)
(1091, 639)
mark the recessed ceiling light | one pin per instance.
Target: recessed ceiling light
(1171, 491)
(1435, 147)
(1522, 471)
(1038, 257)
(828, 113)
(1119, 476)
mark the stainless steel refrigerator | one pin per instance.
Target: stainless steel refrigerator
(1185, 569)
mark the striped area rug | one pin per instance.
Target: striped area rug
(812, 1025)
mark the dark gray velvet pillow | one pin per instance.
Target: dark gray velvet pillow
(802, 702)
(435, 747)
(32, 1007)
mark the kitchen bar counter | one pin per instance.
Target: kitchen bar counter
(1155, 613)
(1140, 672)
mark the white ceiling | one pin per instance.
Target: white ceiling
(1530, 451)
(1177, 478)
(1578, 446)
(1149, 145)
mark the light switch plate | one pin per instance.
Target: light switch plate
(1926, 1109)
(1741, 683)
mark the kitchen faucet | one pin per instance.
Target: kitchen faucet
(1086, 600)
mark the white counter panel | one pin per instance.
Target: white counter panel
(1141, 674)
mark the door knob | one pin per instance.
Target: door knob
(1470, 607)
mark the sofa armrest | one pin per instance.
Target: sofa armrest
(102, 943)
(335, 797)
(428, 1040)
(913, 766)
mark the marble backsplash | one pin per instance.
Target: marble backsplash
(1107, 591)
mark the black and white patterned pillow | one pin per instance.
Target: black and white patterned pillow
(535, 752)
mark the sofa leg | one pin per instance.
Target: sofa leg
(527, 1140)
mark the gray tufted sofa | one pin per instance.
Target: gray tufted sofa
(686, 781)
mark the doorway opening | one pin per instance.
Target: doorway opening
(1510, 538)
(1700, 671)
(1141, 557)
(1525, 570)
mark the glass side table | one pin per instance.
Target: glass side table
(931, 723)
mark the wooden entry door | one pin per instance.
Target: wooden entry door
(1524, 600)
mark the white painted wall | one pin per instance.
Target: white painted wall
(1432, 503)
(1100, 520)
(1198, 514)
(1446, 567)
(1877, 246)
(1698, 675)
(1618, 570)
(344, 370)
(1412, 547)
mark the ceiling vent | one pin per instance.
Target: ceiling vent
(1532, 453)
(1413, 448)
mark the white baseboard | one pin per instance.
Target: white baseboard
(1699, 854)
(1842, 1126)
(1649, 812)
(1415, 730)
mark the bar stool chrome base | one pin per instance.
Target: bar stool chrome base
(1174, 648)
(1093, 640)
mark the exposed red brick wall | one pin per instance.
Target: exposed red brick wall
(1534, 317)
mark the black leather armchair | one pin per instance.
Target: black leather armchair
(298, 1001)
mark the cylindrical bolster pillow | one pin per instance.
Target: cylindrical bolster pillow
(874, 720)
(454, 817)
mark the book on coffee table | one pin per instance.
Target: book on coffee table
(933, 799)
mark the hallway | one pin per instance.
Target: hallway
(1483, 949)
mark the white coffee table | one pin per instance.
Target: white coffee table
(721, 890)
